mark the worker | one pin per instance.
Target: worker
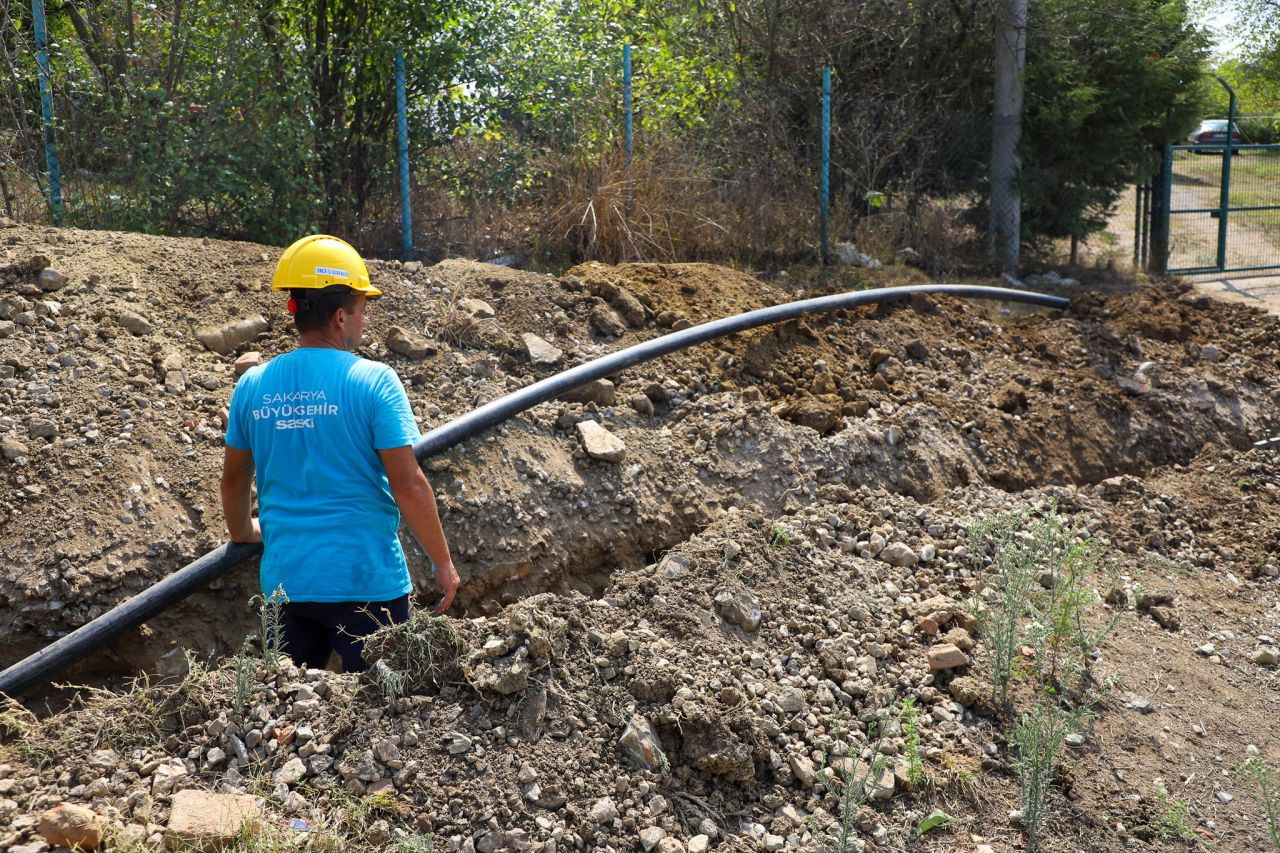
(329, 437)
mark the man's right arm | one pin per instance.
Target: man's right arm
(237, 477)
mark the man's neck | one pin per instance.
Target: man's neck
(320, 339)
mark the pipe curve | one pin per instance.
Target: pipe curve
(129, 614)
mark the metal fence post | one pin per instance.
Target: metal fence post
(402, 126)
(825, 181)
(626, 101)
(1224, 197)
(1158, 259)
(46, 109)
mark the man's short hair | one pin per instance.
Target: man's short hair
(317, 307)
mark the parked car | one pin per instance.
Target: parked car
(1213, 132)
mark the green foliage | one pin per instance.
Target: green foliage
(933, 820)
(246, 668)
(1039, 595)
(418, 655)
(271, 627)
(1172, 819)
(909, 718)
(779, 535)
(1038, 738)
(855, 781)
(1263, 786)
(266, 119)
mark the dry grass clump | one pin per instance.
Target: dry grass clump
(420, 655)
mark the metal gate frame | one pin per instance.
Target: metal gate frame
(1155, 206)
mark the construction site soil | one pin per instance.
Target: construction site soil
(697, 634)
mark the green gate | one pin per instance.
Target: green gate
(1213, 209)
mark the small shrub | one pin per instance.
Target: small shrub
(1173, 818)
(1263, 785)
(271, 626)
(855, 780)
(909, 717)
(246, 668)
(779, 535)
(1039, 594)
(1038, 738)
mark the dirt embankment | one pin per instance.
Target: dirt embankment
(795, 467)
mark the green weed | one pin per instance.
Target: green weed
(1173, 818)
(909, 718)
(1263, 785)
(856, 781)
(1039, 594)
(779, 535)
(271, 628)
(1038, 738)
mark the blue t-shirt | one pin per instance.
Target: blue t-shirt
(314, 420)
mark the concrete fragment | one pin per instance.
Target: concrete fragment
(225, 338)
(204, 820)
(600, 443)
(51, 280)
(540, 351)
(246, 361)
(69, 825)
(641, 744)
(404, 342)
(600, 391)
(946, 656)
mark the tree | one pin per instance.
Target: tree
(1105, 81)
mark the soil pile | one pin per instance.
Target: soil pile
(695, 640)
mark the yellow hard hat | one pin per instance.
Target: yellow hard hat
(321, 261)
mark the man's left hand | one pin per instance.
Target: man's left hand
(447, 577)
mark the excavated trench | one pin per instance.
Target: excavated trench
(918, 399)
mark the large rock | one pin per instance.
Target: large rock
(225, 338)
(600, 443)
(946, 656)
(600, 391)
(899, 554)
(540, 351)
(135, 324)
(641, 745)
(51, 280)
(606, 321)
(740, 608)
(204, 820)
(477, 308)
(68, 825)
(11, 448)
(403, 342)
(292, 772)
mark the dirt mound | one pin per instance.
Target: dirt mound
(745, 584)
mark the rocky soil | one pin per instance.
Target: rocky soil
(696, 595)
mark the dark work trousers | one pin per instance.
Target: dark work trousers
(312, 629)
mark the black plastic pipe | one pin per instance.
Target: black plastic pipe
(94, 635)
